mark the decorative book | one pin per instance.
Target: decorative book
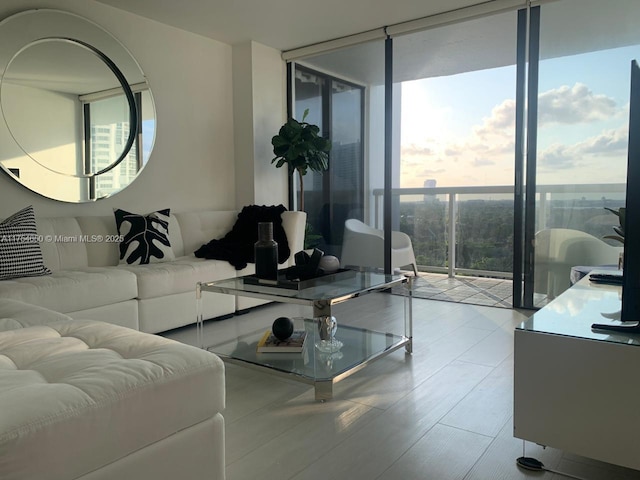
(269, 343)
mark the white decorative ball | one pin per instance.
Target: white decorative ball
(329, 264)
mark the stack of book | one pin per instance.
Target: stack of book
(269, 343)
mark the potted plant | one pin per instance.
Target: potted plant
(299, 145)
(620, 213)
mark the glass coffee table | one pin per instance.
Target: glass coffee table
(323, 362)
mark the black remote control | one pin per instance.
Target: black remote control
(611, 278)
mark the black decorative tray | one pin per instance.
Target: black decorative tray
(284, 282)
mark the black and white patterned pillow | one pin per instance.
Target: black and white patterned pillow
(20, 253)
(145, 238)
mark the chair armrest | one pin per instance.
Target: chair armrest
(400, 240)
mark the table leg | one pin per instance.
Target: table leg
(408, 313)
(323, 390)
(199, 320)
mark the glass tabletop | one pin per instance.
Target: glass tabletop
(355, 346)
(573, 313)
(342, 284)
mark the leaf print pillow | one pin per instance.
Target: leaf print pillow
(145, 238)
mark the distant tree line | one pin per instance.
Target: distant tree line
(485, 229)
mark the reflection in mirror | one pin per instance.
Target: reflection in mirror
(43, 102)
(66, 114)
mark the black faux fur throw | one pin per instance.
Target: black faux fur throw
(237, 246)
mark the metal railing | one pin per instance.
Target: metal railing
(544, 196)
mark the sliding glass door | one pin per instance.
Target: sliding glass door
(456, 101)
(508, 140)
(335, 98)
(586, 48)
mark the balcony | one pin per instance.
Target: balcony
(480, 222)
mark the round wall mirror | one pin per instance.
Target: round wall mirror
(78, 116)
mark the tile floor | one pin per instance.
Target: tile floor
(442, 413)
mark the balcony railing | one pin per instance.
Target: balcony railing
(556, 206)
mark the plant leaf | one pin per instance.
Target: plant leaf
(615, 237)
(615, 212)
(299, 145)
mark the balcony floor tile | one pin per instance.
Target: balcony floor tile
(464, 289)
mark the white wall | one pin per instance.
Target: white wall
(259, 98)
(192, 164)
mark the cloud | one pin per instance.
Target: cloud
(414, 149)
(453, 151)
(558, 157)
(571, 105)
(426, 172)
(502, 118)
(608, 142)
(491, 142)
(482, 162)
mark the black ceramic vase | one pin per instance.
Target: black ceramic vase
(266, 253)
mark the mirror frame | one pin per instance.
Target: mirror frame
(72, 28)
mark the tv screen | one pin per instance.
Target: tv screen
(631, 266)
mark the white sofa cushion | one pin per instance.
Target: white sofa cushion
(105, 252)
(73, 290)
(15, 314)
(78, 395)
(178, 276)
(199, 228)
(62, 243)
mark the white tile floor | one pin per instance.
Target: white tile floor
(444, 412)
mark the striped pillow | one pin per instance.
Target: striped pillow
(20, 254)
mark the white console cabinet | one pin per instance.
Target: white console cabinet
(577, 389)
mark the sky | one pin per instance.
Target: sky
(459, 130)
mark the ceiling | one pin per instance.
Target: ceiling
(284, 24)
(476, 44)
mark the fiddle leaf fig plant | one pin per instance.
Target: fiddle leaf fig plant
(620, 213)
(302, 148)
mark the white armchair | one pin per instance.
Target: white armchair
(559, 249)
(363, 246)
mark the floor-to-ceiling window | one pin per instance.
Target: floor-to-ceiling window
(335, 94)
(457, 127)
(586, 48)
(331, 197)
(492, 149)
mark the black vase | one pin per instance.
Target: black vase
(266, 253)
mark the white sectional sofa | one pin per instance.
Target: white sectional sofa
(87, 282)
(93, 401)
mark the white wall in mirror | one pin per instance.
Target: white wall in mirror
(41, 119)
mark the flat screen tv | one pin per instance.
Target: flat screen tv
(631, 266)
